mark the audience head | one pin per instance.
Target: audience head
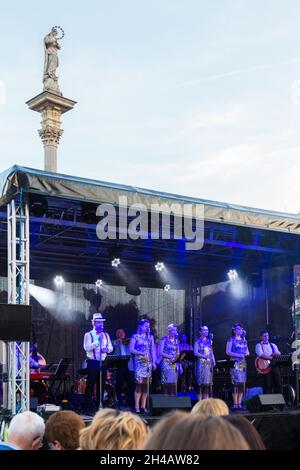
(114, 430)
(26, 431)
(183, 431)
(62, 430)
(247, 429)
(211, 407)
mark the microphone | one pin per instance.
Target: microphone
(211, 336)
(243, 334)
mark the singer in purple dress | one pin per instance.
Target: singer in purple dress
(206, 362)
(237, 349)
(169, 350)
(144, 361)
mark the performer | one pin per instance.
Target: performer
(169, 347)
(186, 373)
(184, 345)
(205, 363)
(237, 349)
(266, 350)
(35, 357)
(144, 361)
(97, 345)
(124, 375)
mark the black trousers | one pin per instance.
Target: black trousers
(272, 381)
(93, 378)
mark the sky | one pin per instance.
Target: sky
(193, 97)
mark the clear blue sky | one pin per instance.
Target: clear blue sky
(195, 97)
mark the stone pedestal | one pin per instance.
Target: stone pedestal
(51, 106)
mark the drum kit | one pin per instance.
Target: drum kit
(79, 387)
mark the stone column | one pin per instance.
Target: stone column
(51, 106)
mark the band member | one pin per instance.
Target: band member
(124, 375)
(237, 349)
(169, 347)
(184, 345)
(266, 350)
(144, 361)
(36, 360)
(38, 387)
(205, 363)
(186, 372)
(97, 345)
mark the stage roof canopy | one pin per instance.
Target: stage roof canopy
(63, 237)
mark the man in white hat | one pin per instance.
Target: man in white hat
(97, 345)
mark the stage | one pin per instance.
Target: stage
(62, 238)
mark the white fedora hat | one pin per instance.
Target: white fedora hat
(98, 317)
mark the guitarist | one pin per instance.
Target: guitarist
(266, 350)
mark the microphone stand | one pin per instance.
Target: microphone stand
(100, 400)
(100, 371)
(211, 337)
(149, 368)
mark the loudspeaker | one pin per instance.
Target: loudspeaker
(160, 404)
(193, 396)
(266, 402)
(15, 322)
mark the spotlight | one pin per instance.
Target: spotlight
(159, 266)
(232, 275)
(115, 262)
(99, 283)
(115, 255)
(59, 281)
(167, 287)
(133, 290)
(38, 206)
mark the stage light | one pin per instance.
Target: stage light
(59, 281)
(133, 290)
(38, 206)
(114, 255)
(233, 275)
(159, 266)
(99, 283)
(115, 262)
(167, 287)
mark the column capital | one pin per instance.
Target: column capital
(51, 106)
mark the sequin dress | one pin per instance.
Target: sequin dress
(142, 365)
(169, 373)
(204, 367)
(239, 369)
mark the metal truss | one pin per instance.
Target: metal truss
(17, 388)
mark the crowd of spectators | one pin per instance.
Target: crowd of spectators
(209, 426)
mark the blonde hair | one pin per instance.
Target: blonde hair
(114, 430)
(211, 407)
(183, 431)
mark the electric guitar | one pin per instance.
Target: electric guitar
(264, 366)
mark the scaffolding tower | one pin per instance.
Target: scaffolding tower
(16, 389)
